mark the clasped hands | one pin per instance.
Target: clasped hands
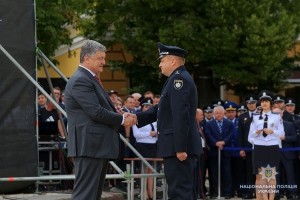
(265, 130)
(129, 119)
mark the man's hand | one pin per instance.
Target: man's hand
(153, 133)
(242, 153)
(129, 119)
(220, 144)
(181, 155)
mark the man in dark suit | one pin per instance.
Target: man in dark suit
(245, 120)
(179, 142)
(92, 123)
(219, 133)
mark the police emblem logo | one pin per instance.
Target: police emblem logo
(268, 173)
(178, 84)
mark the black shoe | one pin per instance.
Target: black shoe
(277, 198)
(292, 197)
(248, 196)
(227, 197)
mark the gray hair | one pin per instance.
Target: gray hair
(90, 47)
(219, 108)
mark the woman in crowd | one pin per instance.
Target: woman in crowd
(265, 132)
(146, 142)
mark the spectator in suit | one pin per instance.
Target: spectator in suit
(219, 132)
(245, 120)
(208, 116)
(137, 107)
(287, 158)
(156, 99)
(200, 176)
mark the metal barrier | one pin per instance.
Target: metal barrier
(121, 174)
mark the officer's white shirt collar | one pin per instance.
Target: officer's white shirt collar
(267, 113)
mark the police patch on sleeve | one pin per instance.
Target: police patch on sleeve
(178, 84)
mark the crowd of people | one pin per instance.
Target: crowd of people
(256, 139)
(263, 131)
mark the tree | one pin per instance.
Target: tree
(53, 20)
(241, 44)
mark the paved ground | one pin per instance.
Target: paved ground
(67, 196)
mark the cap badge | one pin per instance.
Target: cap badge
(264, 94)
(278, 98)
(178, 84)
(251, 98)
(290, 101)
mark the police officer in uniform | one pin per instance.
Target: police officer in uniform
(178, 137)
(245, 120)
(279, 102)
(290, 106)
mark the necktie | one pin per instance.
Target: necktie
(265, 125)
(98, 80)
(220, 126)
(152, 127)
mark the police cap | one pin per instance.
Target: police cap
(230, 106)
(241, 108)
(208, 108)
(279, 98)
(218, 102)
(265, 94)
(290, 102)
(112, 92)
(146, 101)
(251, 98)
(165, 50)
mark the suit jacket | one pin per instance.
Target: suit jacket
(175, 116)
(92, 118)
(243, 128)
(213, 135)
(290, 140)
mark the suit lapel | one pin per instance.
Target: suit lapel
(98, 87)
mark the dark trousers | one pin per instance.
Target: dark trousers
(200, 177)
(248, 178)
(286, 174)
(90, 174)
(180, 177)
(237, 175)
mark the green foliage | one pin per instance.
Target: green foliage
(242, 43)
(53, 19)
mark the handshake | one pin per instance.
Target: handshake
(129, 119)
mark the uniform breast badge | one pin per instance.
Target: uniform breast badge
(178, 84)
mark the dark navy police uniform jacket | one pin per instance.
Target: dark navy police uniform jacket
(175, 115)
